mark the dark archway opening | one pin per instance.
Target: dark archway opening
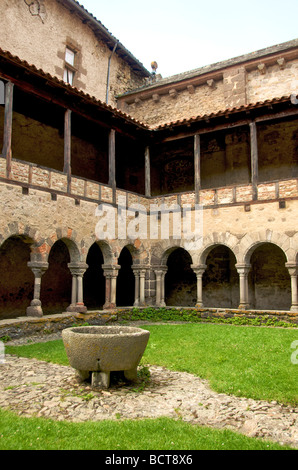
(126, 280)
(269, 279)
(57, 281)
(94, 280)
(16, 280)
(180, 280)
(221, 279)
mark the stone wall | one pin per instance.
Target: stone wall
(260, 76)
(42, 215)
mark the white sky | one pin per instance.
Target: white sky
(183, 35)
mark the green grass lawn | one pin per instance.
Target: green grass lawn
(243, 361)
(18, 433)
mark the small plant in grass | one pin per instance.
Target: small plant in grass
(151, 314)
(5, 339)
(80, 394)
(78, 325)
(144, 377)
(48, 331)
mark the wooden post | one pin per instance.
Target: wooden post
(67, 147)
(7, 134)
(112, 162)
(197, 157)
(147, 173)
(254, 160)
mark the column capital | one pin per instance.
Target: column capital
(243, 268)
(111, 270)
(140, 268)
(199, 269)
(292, 268)
(160, 269)
(78, 269)
(38, 267)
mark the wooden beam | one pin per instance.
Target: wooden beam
(7, 133)
(197, 161)
(147, 173)
(205, 130)
(112, 162)
(222, 127)
(254, 160)
(70, 100)
(67, 147)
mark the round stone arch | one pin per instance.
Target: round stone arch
(179, 281)
(161, 251)
(135, 249)
(168, 252)
(15, 229)
(293, 252)
(108, 253)
(219, 276)
(69, 238)
(56, 285)
(37, 242)
(249, 243)
(222, 238)
(128, 260)
(99, 258)
(17, 279)
(203, 255)
(73, 249)
(269, 281)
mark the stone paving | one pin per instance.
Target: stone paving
(33, 388)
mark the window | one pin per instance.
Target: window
(69, 57)
(68, 76)
(69, 71)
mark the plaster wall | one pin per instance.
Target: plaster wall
(42, 41)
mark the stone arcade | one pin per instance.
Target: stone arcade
(84, 123)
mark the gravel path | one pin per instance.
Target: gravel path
(34, 388)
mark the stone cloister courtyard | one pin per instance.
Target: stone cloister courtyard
(124, 192)
(30, 387)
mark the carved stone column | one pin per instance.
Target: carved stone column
(160, 273)
(142, 287)
(136, 271)
(140, 276)
(243, 270)
(38, 269)
(199, 271)
(293, 271)
(111, 273)
(77, 297)
(163, 287)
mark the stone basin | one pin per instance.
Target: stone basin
(100, 350)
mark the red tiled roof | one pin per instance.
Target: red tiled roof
(180, 122)
(225, 112)
(33, 69)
